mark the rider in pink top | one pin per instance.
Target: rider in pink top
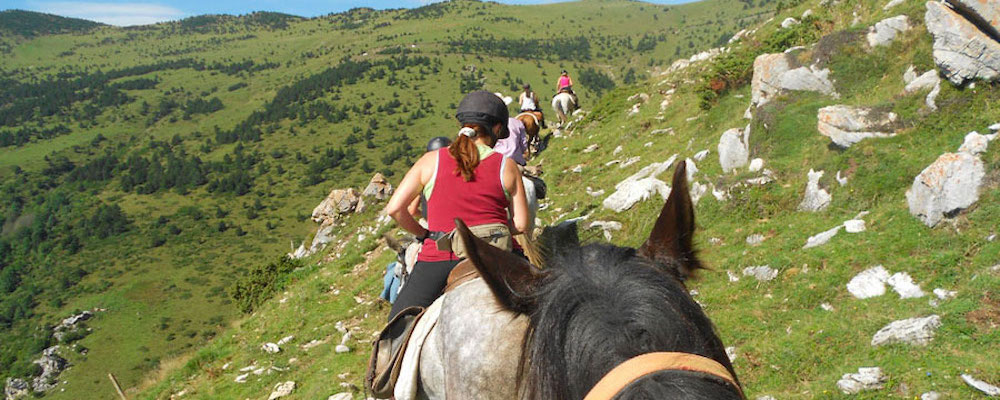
(565, 82)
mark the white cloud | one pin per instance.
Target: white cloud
(120, 14)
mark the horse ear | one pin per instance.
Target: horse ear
(670, 241)
(511, 278)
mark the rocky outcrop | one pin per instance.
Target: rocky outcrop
(962, 50)
(337, 203)
(886, 30)
(776, 73)
(983, 13)
(281, 390)
(633, 192)
(378, 187)
(816, 199)
(847, 125)
(52, 365)
(70, 324)
(734, 148)
(946, 187)
(16, 389)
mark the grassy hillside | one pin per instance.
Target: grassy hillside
(146, 169)
(787, 343)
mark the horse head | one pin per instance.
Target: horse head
(597, 305)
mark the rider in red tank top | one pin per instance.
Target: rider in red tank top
(479, 201)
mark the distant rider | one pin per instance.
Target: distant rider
(529, 103)
(565, 84)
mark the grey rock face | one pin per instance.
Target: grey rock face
(379, 187)
(774, 73)
(912, 331)
(962, 51)
(733, 149)
(975, 143)
(945, 187)
(816, 199)
(821, 238)
(886, 30)
(923, 82)
(281, 390)
(847, 125)
(865, 379)
(338, 202)
(16, 389)
(984, 13)
(52, 365)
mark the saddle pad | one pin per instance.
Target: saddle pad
(409, 374)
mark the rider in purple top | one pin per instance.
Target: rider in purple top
(515, 145)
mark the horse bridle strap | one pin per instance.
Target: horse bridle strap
(637, 367)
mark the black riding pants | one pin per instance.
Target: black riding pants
(424, 285)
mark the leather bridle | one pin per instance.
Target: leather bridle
(642, 365)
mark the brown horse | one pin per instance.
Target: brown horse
(532, 125)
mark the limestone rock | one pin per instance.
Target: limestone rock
(869, 283)
(913, 331)
(847, 125)
(52, 365)
(854, 226)
(756, 165)
(591, 148)
(903, 284)
(15, 389)
(975, 143)
(281, 390)
(286, 339)
(691, 168)
(944, 294)
(733, 149)
(962, 51)
(866, 379)
(338, 202)
(789, 22)
(816, 199)
(270, 348)
(341, 396)
(842, 180)
(945, 187)
(649, 171)
(886, 30)
(378, 187)
(762, 273)
(775, 73)
(822, 237)
(892, 4)
(926, 81)
(981, 386)
(341, 348)
(641, 97)
(931, 99)
(697, 191)
(606, 227)
(699, 156)
(910, 75)
(930, 396)
(985, 14)
(755, 239)
(633, 192)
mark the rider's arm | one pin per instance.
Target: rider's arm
(518, 202)
(414, 208)
(408, 190)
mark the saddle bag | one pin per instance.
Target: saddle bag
(387, 352)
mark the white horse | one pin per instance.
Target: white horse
(563, 105)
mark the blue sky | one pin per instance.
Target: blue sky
(139, 12)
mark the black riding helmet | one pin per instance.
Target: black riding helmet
(485, 109)
(437, 143)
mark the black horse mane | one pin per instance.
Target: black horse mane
(599, 305)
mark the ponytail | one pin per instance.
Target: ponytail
(465, 153)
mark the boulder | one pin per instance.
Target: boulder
(699, 156)
(816, 199)
(756, 164)
(630, 193)
(983, 13)
(866, 379)
(776, 73)
(734, 149)
(789, 22)
(281, 390)
(270, 348)
(338, 202)
(15, 389)
(649, 171)
(903, 284)
(913, 331)
(854, 226)
(762, 273)
(378, 187)
(946, 187)
(962, 50)
(847, 125)
(886, 30)
(697, 191)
